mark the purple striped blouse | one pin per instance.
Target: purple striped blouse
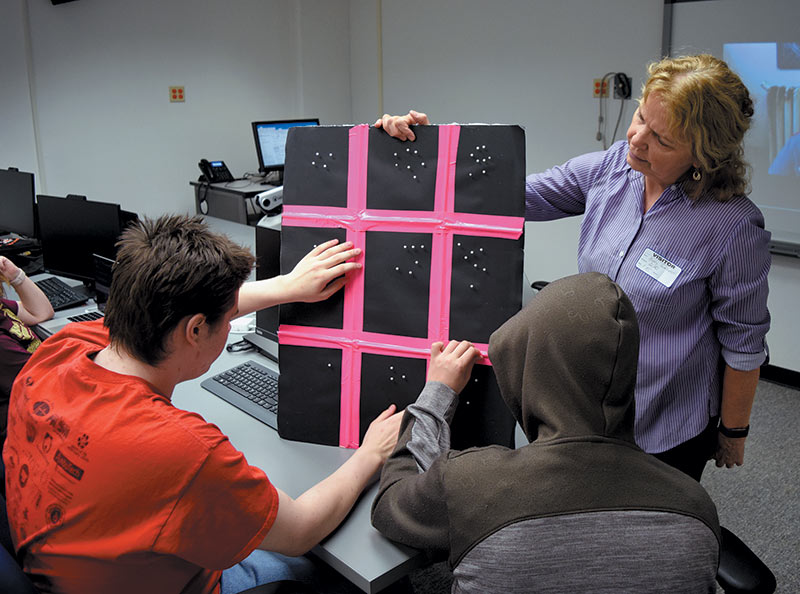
(696, 273)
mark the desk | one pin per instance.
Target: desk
(229, 200)
(356, 550)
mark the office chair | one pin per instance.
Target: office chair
(12, 579)
(740, 570)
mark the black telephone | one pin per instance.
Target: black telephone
(214, 171)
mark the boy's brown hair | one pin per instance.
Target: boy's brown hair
(167, 269)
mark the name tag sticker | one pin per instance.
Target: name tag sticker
(658, 267)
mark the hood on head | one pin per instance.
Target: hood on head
(566, 363)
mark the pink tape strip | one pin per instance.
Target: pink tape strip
(353, 317)
(365, 342)
(404, 220)
(442, 251)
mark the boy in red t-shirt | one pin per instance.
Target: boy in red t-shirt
(110, 487)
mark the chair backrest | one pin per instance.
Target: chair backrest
(12, 579)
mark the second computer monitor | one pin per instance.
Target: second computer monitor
(270, 138)
(72, 230)
(16, 201)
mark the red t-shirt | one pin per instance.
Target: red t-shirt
(110, 488)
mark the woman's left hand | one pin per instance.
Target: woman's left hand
(730, 451)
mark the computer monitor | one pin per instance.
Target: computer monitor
(103, 273)
(17, 202)
(71, 231)
(268, 265)
(270, 140)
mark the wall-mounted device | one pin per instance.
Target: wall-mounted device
(622, 91)
(214, 172)
(622, 86)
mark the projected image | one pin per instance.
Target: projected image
(771, 72)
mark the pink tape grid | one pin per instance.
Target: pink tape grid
(442, 222)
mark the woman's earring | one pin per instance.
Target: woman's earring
(696, 175)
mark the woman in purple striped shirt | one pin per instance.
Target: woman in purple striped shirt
(667, 218)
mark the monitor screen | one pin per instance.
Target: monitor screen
(268, 265)
(270, 140)
(16, 197)
(71, 231)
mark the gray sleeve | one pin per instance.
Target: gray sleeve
(430, 433)
(411, 505)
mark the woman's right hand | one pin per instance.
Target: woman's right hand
(400, 126)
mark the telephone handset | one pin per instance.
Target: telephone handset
(214, 171)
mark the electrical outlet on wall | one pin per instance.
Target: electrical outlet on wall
(177, 94)
(600, 88)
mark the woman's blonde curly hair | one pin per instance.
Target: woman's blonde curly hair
(709, 107)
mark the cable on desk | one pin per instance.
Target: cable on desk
(241, 346)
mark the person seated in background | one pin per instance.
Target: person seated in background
(17, 340)
(110, 487)
(581, 508)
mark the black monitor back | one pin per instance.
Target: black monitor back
(268, 265)
(17, 202)
(103, 273)
(72, 230)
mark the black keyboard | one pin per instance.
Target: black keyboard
(250, 387)
(86, 317)
(60, 294)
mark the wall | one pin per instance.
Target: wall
(516, 61)
(17, 146)
(101, 71)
